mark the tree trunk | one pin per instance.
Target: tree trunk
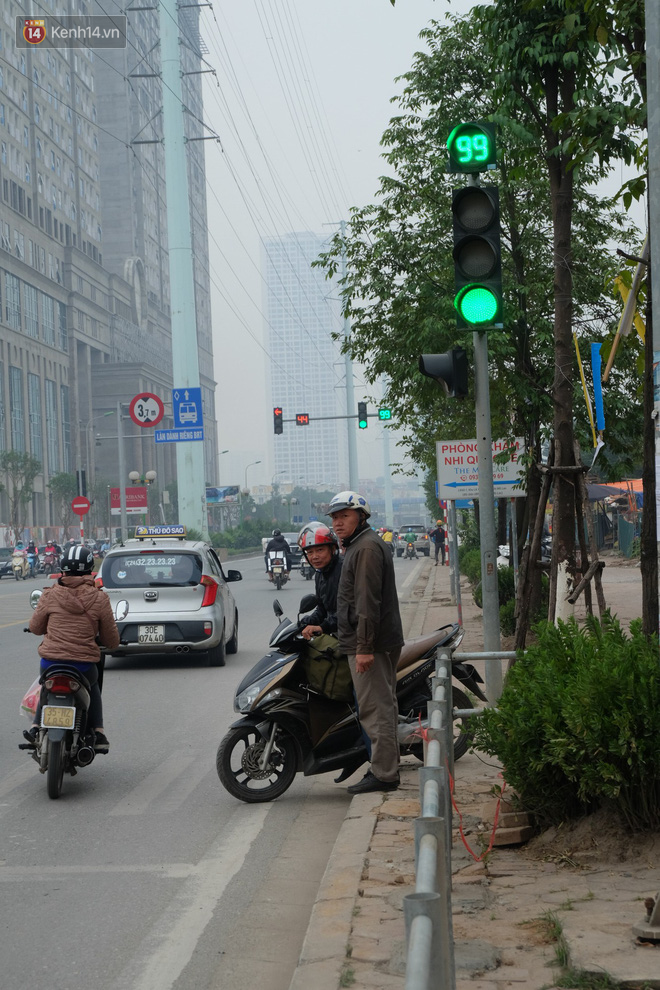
(649, 539)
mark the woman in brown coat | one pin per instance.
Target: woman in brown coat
(75, 618)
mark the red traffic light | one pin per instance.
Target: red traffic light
(278, 425)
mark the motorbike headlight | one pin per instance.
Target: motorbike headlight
(244, 701)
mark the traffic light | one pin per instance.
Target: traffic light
(450, 370)
(302, 419)
(384, 414)
(362, 415)
(472, 147)
(477, 257)
(277, 420)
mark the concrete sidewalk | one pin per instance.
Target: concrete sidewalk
(503, 909)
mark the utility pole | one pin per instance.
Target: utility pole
(387, 476)
(653, 113)
(353, 480)
(191, 476)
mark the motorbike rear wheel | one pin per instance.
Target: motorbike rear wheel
(55, 771)
(238, 768)
(418, 706)
(278, 581)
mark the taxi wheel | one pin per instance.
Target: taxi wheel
(232, 645)
(216, 654)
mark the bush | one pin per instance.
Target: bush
(470, 565)
(578, 723)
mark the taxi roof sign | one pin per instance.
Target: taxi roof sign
(163, 531)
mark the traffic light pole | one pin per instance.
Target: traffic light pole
(487, 539)
(353, 479)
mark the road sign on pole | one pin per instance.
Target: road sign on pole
(458, 469)
(81, 506)
(146, 409)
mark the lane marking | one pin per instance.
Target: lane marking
(137, 800)
(19, 776)
(177, 871)
(411, 577)
(168, 948)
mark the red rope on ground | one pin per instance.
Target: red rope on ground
(496, 817)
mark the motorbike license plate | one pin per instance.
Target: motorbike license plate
(57, 717)
(151, 634)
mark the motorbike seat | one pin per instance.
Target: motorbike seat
(413, 649)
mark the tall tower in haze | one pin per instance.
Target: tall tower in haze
(306, 369)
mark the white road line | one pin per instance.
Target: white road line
(183, 787)
(168, 948)
(19, 776)
(177, 871)
(411, 577)
(137, 800)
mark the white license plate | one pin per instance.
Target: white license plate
(151, 634)
(56, 717)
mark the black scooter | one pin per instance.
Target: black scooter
(288, 728)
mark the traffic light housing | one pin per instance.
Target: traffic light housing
(472, 147)
(363, 422)
(477, 257)
(450, 370)
(278, 425)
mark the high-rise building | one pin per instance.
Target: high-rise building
(82, 329)
(306, 368)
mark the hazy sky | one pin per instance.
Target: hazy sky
(303, 98)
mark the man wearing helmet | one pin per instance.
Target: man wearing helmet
(75, 618)
(280, 545)
(369, 631)
(438, 537)
(321, 548)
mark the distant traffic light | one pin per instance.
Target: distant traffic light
(363, 422)
(450, 370)
(277, 420)
(384, 414)
(472, 147)
(477, 257)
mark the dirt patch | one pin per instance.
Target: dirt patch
(596, 838)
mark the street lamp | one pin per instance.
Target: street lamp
(246, 471)
(142, 479)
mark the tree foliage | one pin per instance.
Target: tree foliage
(64, 488)
(20, 470)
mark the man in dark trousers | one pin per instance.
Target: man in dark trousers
(438, 537)
(370, 633)
(281, 545)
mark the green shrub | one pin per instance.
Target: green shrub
(471, 565)
(578, 723)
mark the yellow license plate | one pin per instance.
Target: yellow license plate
(54, 717)
(151, 634)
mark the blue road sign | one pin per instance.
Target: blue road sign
(177, 436)
(187, 409)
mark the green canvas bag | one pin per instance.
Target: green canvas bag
(327, 670)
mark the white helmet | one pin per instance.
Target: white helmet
(349, 500)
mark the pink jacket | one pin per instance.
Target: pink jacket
(61, 618)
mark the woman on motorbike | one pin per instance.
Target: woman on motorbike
(75, 618)
(321, 548)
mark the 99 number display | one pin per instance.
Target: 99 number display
(472, 147)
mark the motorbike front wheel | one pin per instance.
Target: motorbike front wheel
(237, 763)
(55, 772)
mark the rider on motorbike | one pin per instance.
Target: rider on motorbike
(32, 556)
(321, 548)
(75, 618)
(280, 544)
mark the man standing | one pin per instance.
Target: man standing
(369, 631)
(438, 537)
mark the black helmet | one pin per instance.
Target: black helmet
(277, 532)
(77, 559)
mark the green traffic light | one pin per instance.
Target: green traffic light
(477, 304)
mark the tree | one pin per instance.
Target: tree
(64, 488)
(20, 470)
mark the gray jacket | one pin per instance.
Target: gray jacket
(368, 619)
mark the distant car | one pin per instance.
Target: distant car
(422, 543)
(170, 595)
(5, 561)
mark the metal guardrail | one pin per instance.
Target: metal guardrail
(430, 961)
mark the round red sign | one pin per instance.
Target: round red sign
(81, 505)
(146, 409)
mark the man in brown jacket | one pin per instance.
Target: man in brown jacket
(369, 631)
(75, 618)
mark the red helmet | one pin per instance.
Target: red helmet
(319, 537)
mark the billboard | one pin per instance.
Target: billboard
(136, 500)
(216, 495)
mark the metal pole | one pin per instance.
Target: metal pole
(489, 589)
(185, 359)
(653, 164)
(122, 477)
(353, 481)
(387, 473)
(454, 559)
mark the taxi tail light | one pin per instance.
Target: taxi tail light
(210, 590)
(63, 684)
(208, 628)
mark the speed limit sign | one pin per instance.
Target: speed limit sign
(146, 409)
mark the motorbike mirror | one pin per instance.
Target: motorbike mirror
(34, 597)
(308, 603)
(277, 608)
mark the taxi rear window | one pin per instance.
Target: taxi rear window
(151, 570)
